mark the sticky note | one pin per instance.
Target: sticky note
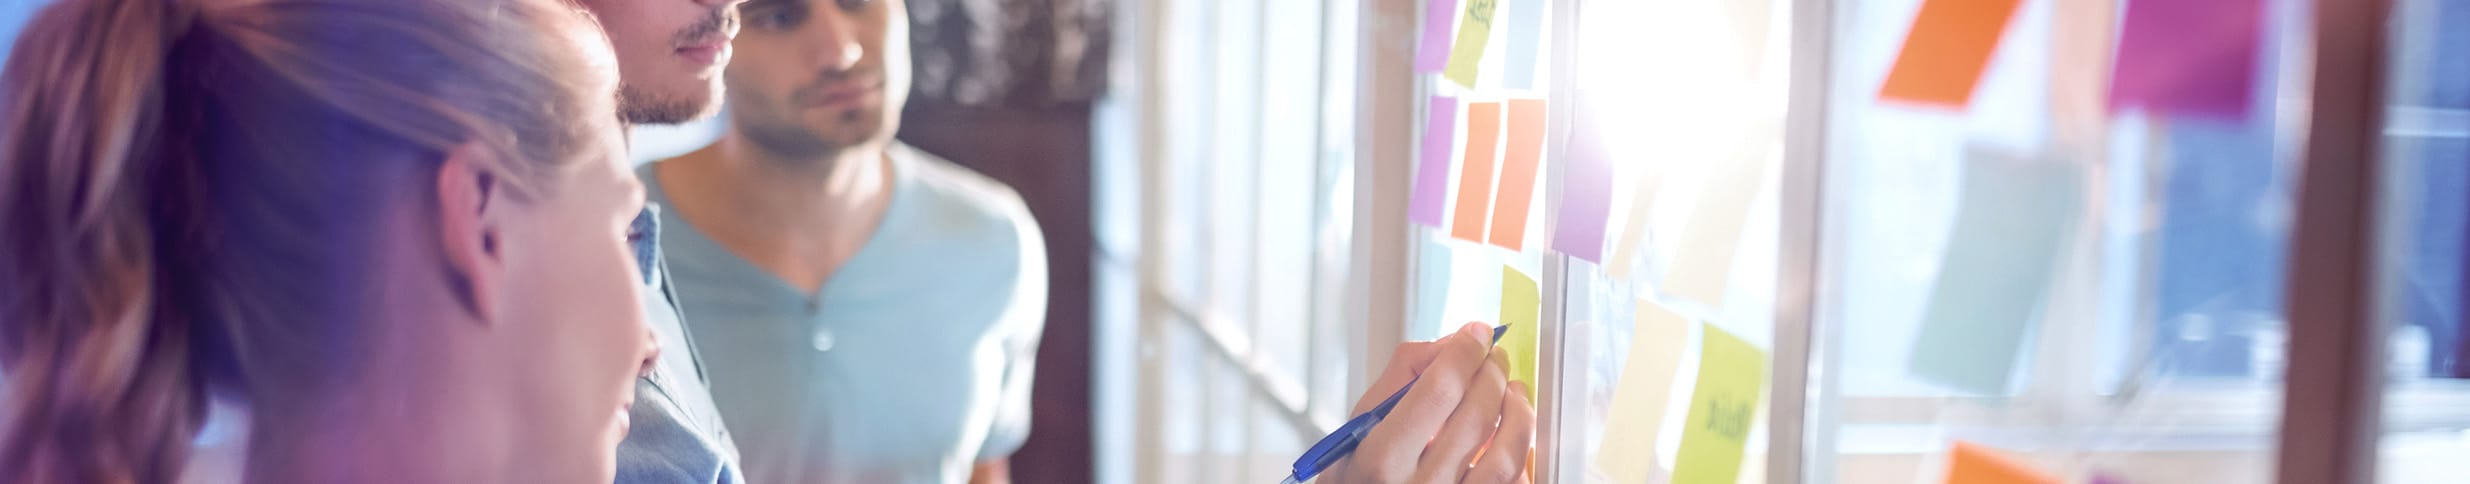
(1526, 44)
(1518, 171)
(1434, 48)
(1627, 453)
(1475, 171)
(1522, 307)
(1586, 193)
(1946, 51)
(2001, 255)
(1969, 463)
(2188, 57)
(1474, 35)
(1634, 226)
(1432, 175)
(1432, 280)
(1749, 20)
(1732, 376)
(1704, 264)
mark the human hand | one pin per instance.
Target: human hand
(1464, 422)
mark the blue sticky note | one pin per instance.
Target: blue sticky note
(1526, 43)
(2011, 228)
(1432, 277)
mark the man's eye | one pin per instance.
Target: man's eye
(774, 19)
(855, 4)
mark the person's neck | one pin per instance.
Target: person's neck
(816, 191)
(799, 218)
(374, 434)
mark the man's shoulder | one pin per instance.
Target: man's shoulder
(953, 187)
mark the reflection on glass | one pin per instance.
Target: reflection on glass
(2149, 346)
(2425, 215)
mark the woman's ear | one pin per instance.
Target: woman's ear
(468, 202)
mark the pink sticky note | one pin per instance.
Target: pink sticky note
(1586, 193)
(1435, 50)
(2188, 57)
(1432, 176)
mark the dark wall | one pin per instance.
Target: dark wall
(1044, 153)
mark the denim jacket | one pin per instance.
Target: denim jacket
(676, 435)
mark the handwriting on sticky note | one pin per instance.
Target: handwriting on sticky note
(1434, 49)
(1636, 418)
(2189, 57)
(1432, 175)
(1474, 35)
(1946, 51)
(1521, 309)
(1732, 376)
(1518, 171)
(1475, 171)
(1969, 463)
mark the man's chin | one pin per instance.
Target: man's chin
(645, 106)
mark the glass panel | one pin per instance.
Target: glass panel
(2425, 215)
(1690, 98)
(2092, 291)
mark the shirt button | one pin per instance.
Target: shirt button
(823, 341)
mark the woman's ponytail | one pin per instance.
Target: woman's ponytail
(98, 384)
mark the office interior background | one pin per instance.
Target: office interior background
(2261, 279)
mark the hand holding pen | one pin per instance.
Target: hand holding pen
(1463, 421)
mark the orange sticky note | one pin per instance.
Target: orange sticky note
(1475, 173)
(1946, 51)
(1970, 463)
(1518, 167)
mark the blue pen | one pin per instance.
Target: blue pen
(1341, 443)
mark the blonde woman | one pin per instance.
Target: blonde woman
(390, 230)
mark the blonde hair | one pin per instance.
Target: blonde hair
(185, 190)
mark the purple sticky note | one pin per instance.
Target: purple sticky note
(1432, 176)
(1438, 15)
(1586, 193)
(2188, 57)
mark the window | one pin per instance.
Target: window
(2426, 214)
(1225, 219)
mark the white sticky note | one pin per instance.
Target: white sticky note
(1628, 451)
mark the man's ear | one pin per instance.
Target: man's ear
(468, 206)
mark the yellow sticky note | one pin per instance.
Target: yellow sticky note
(1634, 231)
(1731, 377)
(1704, 265)
(1522, 305)
(1627, 453)
(1474, 31)
(1970, 463)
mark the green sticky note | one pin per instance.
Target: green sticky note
(1474, 31)
(1522, 305)
(1731, 376)
(2006, 247)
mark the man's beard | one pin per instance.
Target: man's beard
(640, 105)
(637, 105)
